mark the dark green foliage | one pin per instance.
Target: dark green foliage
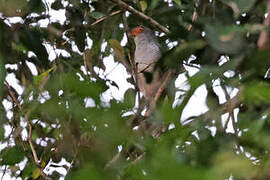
(12, 155)
(67, 113)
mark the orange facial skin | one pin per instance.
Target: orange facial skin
(137, 31)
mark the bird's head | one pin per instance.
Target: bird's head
(137, 30)
(143, 35)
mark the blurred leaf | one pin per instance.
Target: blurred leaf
(257, 92)
(80, 37)
(72, 83)
(36, 173)
(13, 8)
(36, 6)
(88, 172)
(11, 155)
(117, 49)
(38, 79)
(129, 98)
(32, 40)
(182, 52)
(143, 5)
(97, 15)
(57, 5)
(229, 163)
(240, 6)
(178, 2)
(224, 39)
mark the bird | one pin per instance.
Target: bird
(147, 53)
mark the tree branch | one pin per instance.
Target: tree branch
(29, 139)
(228, 106)
(166, 80)
(11, 93)
(141, 15)
(263, 41)
(105, 17)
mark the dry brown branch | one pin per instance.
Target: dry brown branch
(141, 15)
(29, 139)
(11, 93)
(263, 41)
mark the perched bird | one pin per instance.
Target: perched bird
(147, 53)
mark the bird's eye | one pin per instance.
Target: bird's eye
(140, 28)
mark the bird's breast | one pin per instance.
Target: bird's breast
(147, 53)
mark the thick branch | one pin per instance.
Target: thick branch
(168, 77)
(141, 15)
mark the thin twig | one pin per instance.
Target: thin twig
(105, 17)
(11, 93)
(29, 139)
(113, 160)
(222, 108)
(4, 172)
(194, 18)
(141, 15)
(138, 158)
(191, 65)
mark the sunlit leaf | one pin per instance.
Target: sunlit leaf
(38, 79)
(178, 2)
(143, 5)
(36, 173)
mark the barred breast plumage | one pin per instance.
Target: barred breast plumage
(146, 54)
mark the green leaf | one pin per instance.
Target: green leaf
(97, 14)
(13, 8)
(12, 155)
(88, 172)
(38, 79)
(225, 39)
(57, 5)
(143, 5)
(84, 88)
(36, 173)
(32, 39)
(178, 2)
(227, 163)
(36, 6)
(80, 37)
(183, 51)
(257, 92)
(118, 50)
